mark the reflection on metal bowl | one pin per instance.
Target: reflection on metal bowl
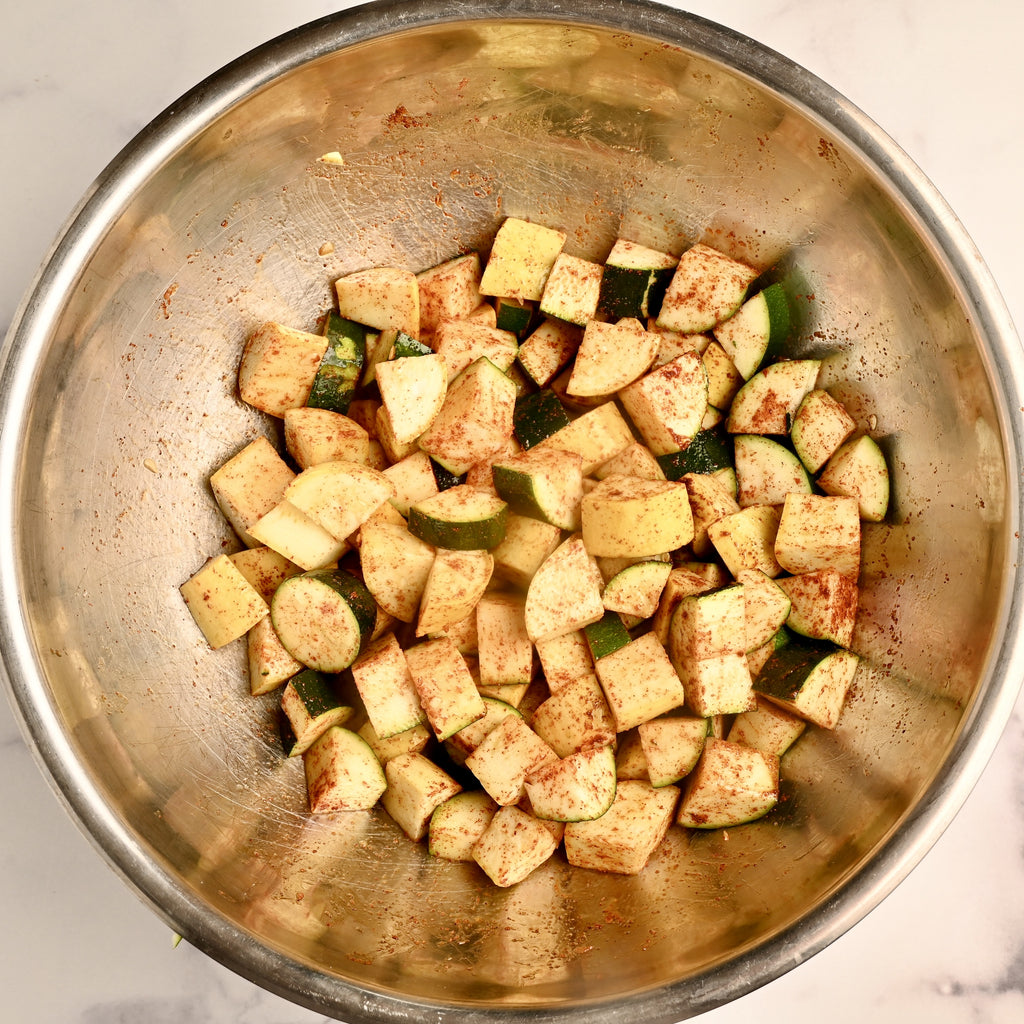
(118, 401)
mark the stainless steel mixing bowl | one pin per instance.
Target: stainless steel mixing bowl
(118, 400)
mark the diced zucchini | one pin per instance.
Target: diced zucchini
(681, 582)
(709, 451)
(446, 689)
(444, 477)
(622, 840)
(458, 823)
(709, 502)
(823, 605)
(520, 259)
(462, 743)
(574, 717)
(639, 682)
(607, 635)
(724, 380)
(505, 756)
(462, 342)
(278, 367)
(224, 604)
(448, 291)
(667, 405)
(565, 593)
(636, 589)
(757, 658)
(341, 367)
(312, 436)
(339, 496)
(394, 450)
(269, 663)
(767, 403)
(717, 685)
(564, 658)
(295, 536)
(706, 288)
(312, 705)
(544, 483)
(504, 648)
(323, 618)
(412, 390)
(731, 785)
(757, 331)
(746, 539)
(513, 846)
(525, 546)
(249, 485)
(630, 762)
(413, 479)
(381, 298)
(767, 727)
(578, 787)
(597, 436)
(537, 416)
(415, 740)
(548, 349)
(636, 460)
(264, 568)
(455, 583)
(766, 471)
(385, 684)
(475, 419)
(858, 469)
(819, 532)
(461, 518)
(395, 567)
(627, 516)
(416, 788)
(342, 773)
(672, 746)
(820, 425)
(635, 280)
(515, 315)
(708, 624)
(809, 678)
(766, 606)
(572, 289)
(610, 356)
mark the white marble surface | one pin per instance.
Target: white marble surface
(943, 77)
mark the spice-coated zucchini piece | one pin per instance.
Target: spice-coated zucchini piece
(820, 425)
(278, 367)
(626, 516)
(639, 682)
(395, 567)
(342, 773)
(513, 846)
(598, 435)
(461, 518)
(461, 342)
(578, 787)
(455, 583)
(446, 689)
(858, 469)
(548, 349)
(766, 727)
(448, 291)
(525, 546)
(458, 823)
(311, 705)
(339, 496)
(341, 367)
(636, 589)
(224, 604)
(745, 539)
(610, 356)
(634, 281)
(381, 298)
(315, 435)
(416, 788)
(520, 259)
(574, 717)
(819, 531)
(757, 331)
(295, 536)
(707, 287)
(565, 593)
(672, 745)
(385, 685)
(809, 678)
(766, 471)
(606, 636)
(538, 415)
(708, 451)
(323, 618)
(823, 605)
(572, 289)
(622, 840)
(767, 403)
(544, 483)
(668, 404)
(505, 756)
(731, 785)
(412, 390)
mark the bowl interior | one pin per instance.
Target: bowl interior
(445, 129)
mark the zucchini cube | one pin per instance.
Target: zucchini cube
(639, 682)
(521, 259)
(504, 758)
(249, 485)
(513, 845)
(731, 785)
(224, 604)
(622, 840)
(416, 788)
(446, 689)
(278, 367)
(342, 773)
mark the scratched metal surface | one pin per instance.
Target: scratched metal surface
(129, 360)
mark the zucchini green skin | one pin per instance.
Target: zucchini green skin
(537, 416)
(407, 345)
(342, 365)
(709, 451)
(445, 477)
(787, 669)
(475, 535)
(607, 635)
(317, 692)
(632, 291)
(515, 315)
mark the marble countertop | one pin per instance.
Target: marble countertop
(77, 81)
